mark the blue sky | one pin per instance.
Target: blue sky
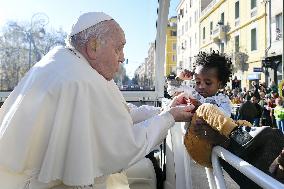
(136, 17)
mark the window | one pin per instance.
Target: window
(211, 27)
(182, 30)
(174, 58)
(279, 26)
(237, 10)
(253, 8)
(195, 17)
(222, 20)
(174, 46)
(203, 32)
(253, 40)
(186, 26)
(252, 4)
(190, 42)
(189, 22)
(222, 47)
(173, 33)
(237, 43)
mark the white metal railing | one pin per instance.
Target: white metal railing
(259, 177)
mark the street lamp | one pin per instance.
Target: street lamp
(42, 19)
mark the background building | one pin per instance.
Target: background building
(145, 73)
(274, 51)
(237, 28)
(171, 47)
(188, 33)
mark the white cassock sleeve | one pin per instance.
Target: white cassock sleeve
(155, 129)
(143, 112)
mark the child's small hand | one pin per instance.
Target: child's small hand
(181, 100)
(186, 75)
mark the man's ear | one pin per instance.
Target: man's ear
(91, 48)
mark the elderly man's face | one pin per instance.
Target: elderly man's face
(110, 55)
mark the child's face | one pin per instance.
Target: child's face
(207, 82)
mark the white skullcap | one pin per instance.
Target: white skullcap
(87, 20)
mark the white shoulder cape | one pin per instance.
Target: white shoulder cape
(65, 122)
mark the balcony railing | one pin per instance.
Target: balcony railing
(219, 33)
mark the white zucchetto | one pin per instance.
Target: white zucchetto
(87, 20)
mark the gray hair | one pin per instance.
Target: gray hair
(98, 31)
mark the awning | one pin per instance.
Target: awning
(253, 76)
(276, 48)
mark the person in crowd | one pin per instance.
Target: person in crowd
(255, 89)
(279, 114)
(236, 84)
(262, 87)
(256, 121)
(67, 125)
(266, 117)
(247, 110)
(272, 88)
(271, 105)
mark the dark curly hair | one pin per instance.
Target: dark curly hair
(221, 62)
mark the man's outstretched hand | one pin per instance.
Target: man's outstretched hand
(180, 109)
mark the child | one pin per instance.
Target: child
(211, 72)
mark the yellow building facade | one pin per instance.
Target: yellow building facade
(171, 46)
(237, 28)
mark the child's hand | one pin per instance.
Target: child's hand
(181, 100)
(186, 75)
(194, 102)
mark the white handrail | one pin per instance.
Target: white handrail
(259, 177)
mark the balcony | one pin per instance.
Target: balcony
(219, 33)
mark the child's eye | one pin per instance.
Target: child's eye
(208, 83)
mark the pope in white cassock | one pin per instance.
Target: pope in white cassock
(66, 124)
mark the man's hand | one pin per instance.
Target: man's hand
(182, 113)
(182, 99)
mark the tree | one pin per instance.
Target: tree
(14, 50)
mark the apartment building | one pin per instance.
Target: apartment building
(274, 51)
(187, 33)
(171, 47)
(237, 28)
